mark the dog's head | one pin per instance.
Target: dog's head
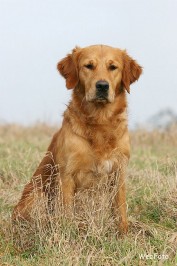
(102, 71)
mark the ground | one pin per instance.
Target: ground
(151, 202)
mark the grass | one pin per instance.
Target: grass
(151, 200)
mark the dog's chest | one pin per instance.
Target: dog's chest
(105, 166)
(102, 143)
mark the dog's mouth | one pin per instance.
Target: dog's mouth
(101, 99)
(101, 96)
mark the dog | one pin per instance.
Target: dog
(93, 139)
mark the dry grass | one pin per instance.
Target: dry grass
(54, 240)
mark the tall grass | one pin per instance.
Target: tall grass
(91, 237)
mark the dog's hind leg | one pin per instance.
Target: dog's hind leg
(42, 185)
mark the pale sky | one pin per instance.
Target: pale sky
(36, 34)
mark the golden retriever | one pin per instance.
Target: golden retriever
(93, 140)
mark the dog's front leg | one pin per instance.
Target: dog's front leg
(68, 191)
(120, 208)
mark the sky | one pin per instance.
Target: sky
(36, 34)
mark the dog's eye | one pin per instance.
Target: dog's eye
(112, 67)
(89, 66)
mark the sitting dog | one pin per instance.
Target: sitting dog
(94, 138)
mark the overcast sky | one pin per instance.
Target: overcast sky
(36, 34)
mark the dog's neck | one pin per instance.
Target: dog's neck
(98, 113)
(101, 126)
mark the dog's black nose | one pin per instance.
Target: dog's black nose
(102, 86)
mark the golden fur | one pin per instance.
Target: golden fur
(93, 139)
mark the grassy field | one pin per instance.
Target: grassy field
(151, 201)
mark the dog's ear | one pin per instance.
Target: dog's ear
(131, 71)
(68, 69)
